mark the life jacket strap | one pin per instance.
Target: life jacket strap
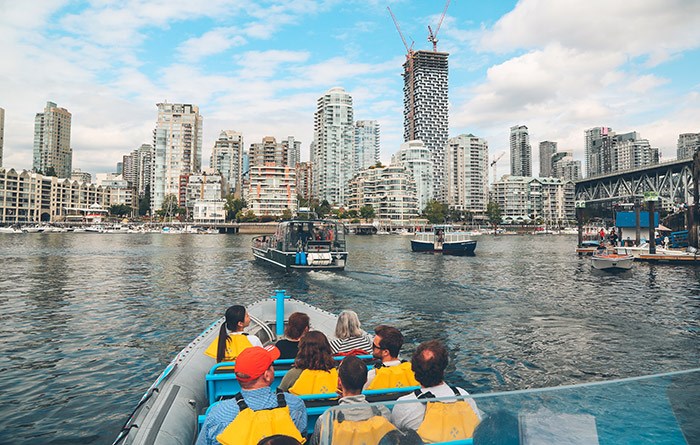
(281, 401)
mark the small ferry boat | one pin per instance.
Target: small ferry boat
(304, 245)
(611, 261)
(443, 239)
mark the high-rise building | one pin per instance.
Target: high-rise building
(227, 159)
(304, 172)
(53, 154)
(177, 141)
(425, 112)
(607, 151)
(414, 156)
(467, 166)
(332, 149)
(688, 144)
(633, 152)
(144, 169)
(520, 151)
(547, 149)
(2, 132)
(272, 190)
(598, 141)
(130, 165)
(292, 151)
(565, 167)
(268, 152)
(389, 190)
(366, 145)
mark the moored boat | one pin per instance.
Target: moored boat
(611, 261)
(443, 239)
(303, 245)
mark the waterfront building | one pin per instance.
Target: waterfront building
(144, 169)
(130, 165)
(415, 157)
(272, 190)
(29, 197)
(389, 190)
(520, 151)
(632, 152)
(332, 149)
(211, 211)
(565, 167)
(2, 133)
(292, 151)
(206, 187)
(304, 172)
(268, 152)
(426, 105)
(467, 165)
(52, 151)
(597, 147)
(366, 145)
(80, 176)
(547, 150)
(177, 141)
(227, 159)
(524, 199)
(688, 144)
(119, 190)
(608, 152)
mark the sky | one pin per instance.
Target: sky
(258, 67)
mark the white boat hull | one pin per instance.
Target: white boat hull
(612, 262)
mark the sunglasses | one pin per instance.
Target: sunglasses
(375, 346)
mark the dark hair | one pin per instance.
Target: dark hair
(296, 325)
(352, 373)
(234, 315)
(279, 439)
(392, 339)
(399, 437)
(314, 352)
(429, 363)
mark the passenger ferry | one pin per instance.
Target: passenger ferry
(659, 409)
(443, 239)
(304, 245)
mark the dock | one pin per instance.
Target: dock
(665, 258)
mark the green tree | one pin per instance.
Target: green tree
(352, 214)
(367, 212)
(287, 215)
(233, 206)
(120, 210)
(248, 216)
(493, 213)
(145, 201)
(323, 209)
(436, 212)
(170, 207)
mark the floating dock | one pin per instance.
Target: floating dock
(666, 258)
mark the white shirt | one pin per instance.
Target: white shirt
(253, 339)
(410, 415)
(372, 373)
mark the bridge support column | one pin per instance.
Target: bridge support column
(638, 224)
(652, 237)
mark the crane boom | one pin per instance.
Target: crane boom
(398, 28)
(432, 36)
(493, 164)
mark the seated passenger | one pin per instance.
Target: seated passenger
(435, 421)
(279, 439)
(232, 340)
(257, 410)
(357, 422)
(349, 335)
(390, 372)
(314, 368)
(297, 326)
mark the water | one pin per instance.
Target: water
(88, 321)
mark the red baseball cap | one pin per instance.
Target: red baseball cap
(252, 362)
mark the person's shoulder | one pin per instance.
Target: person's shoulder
(224, 408)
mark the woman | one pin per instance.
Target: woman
(314, 368)
(350, 336)
(297, 326)
(232, 340)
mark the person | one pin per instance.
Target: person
(391, 371)
(349, 335)
(613, 238)
(234, 421)
(432, 420)
(356, 421)
(279, 439)
(232, 340)
(297, 327)
(314, 368)
(602, 234)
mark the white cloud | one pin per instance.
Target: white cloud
(212, 42)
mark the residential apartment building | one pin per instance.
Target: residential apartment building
(523, 199)
(415, 157)
(272, 190)
(547, 149)
(304, 172)
(2, 133)
(520, 151)
(332, 150)
(467, 165)
(426, 105)
(227, 159)
(366, 145)
(565, 167)
(292, 151)
(688, 144)
(121, 191)
(177, 142)
(268, 152)
(204, 187)
(389, 190)
(144, 169)
(80, 176)
(631, 153)
(52, 150)
(130, 166)
(598, 142)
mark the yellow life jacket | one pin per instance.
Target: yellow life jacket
(399, 376)
(235, 344)
(250, 427)
(364, 432)
(315, 382)
(447, 421)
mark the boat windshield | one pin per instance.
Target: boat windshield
(299, 234)
(659, 410)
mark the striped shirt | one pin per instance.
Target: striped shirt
(363, 342)
(224, 412)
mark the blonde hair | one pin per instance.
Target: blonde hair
(348, 325)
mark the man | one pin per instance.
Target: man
(426, 417)
(355, 410)
(386, 346)
(255, 374)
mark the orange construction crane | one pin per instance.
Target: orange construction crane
(493, 164)
(432, 36)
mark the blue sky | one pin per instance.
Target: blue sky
(557, 66)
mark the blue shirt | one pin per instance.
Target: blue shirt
(224, 412)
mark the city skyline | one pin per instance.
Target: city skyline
(259, 69)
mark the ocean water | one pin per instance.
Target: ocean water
(88, 321)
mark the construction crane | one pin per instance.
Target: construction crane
(432, 36)
(493, 164)
(409, 49)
